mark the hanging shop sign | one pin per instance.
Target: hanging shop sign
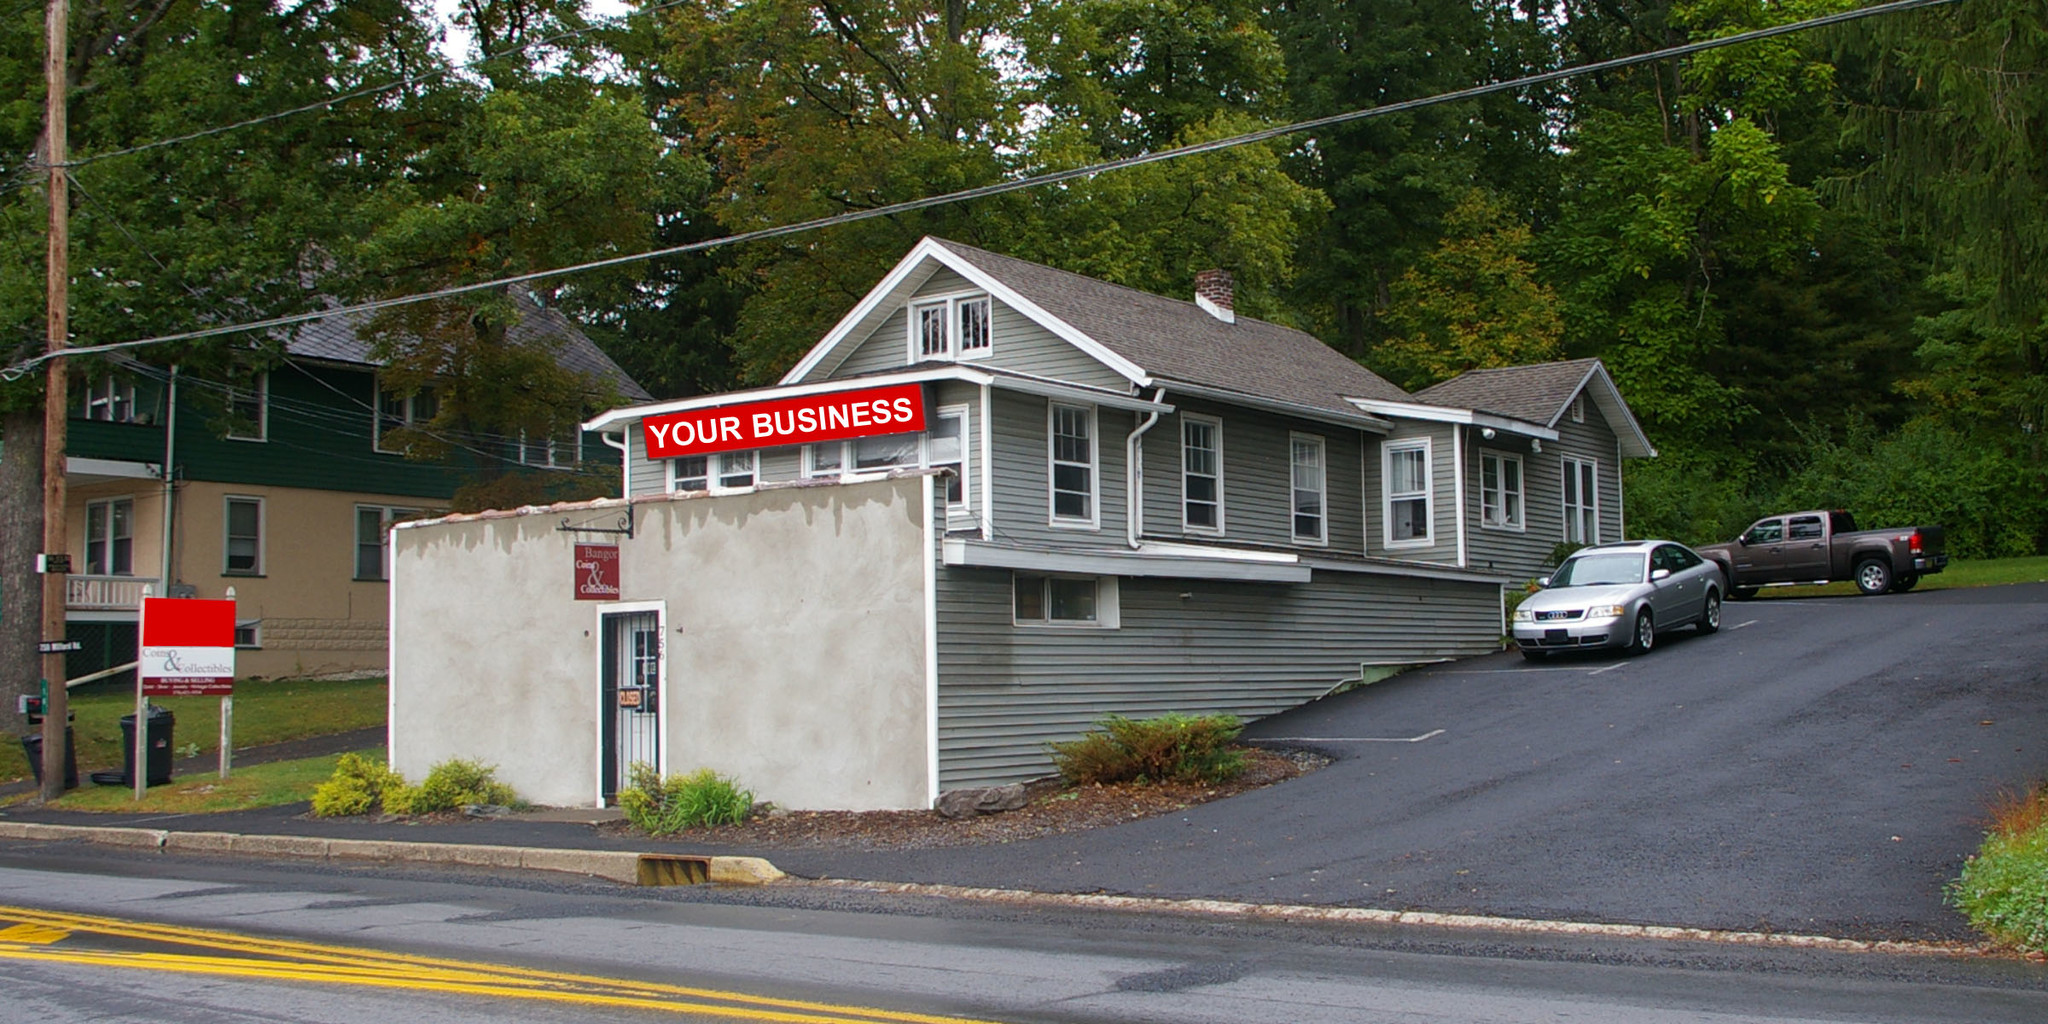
(834, 416)
(187, 647)
(597, 572)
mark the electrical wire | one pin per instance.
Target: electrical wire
(1898, 6)
(373, 90)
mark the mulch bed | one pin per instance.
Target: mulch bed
(1053, 807)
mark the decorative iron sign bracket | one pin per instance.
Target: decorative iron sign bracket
(624, 527)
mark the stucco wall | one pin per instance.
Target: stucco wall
(795, 642)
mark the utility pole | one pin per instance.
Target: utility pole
(56, 401)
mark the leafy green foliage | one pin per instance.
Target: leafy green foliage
(664, 806)
(449, 785)
(359, 784)
(1170, 748)
(2004, 888)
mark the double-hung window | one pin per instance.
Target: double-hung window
(559, 451)
(1500, 491)
(1041, 600)
(110, 400)
(736, 470)
(1581, 501)
(373, 537)
(1311, 489)
(109, 537)
(249, 408)
(243, 537)
(1407, 514)
(946, 448)
(725, 471)
(689, 473)
(956, 327)
(397, 411)
(1073, 459)
(1201, 474)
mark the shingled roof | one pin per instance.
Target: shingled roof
(340, 339)
(1534, 394)
(1176, 341)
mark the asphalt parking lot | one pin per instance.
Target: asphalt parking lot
(1820, 766)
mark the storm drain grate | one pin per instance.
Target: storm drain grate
(668, 869)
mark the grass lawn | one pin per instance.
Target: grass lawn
(265, 712)
(263, 785)
(1981, 572)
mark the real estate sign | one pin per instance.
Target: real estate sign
(187, 647)
(809, 419)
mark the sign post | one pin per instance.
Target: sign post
(185, 648)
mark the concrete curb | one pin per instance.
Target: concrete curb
(622, 866)
(1366, 915)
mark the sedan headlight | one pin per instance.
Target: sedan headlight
(1525, 614)
(1606, 611)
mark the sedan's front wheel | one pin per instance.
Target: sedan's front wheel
(1710, 616)
(1646, 634)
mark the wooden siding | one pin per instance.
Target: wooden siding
(1527, 554)
(1192, 646)
(1443, 507)
(1023, 489)
(1016, 342)
(1257, 479)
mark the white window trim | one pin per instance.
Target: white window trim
(1427, 447)
(262, 391)
(914, 347)
(1565, 466)
(1323, 521)
(377, 416)
(1216, 424)
(716, 467)
(262, 535)
(386, 515)
(571, 442)
(1053, 518)
(100, 400)
(1521, 524)
(709, 466)
(808, 468)
(965, 505)
(108, 540)
(1108, 600)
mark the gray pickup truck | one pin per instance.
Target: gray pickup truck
(1820, 547)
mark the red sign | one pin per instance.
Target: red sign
(834, 416)
(597, 572)
(186, 648)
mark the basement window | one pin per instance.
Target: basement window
(1048, 600)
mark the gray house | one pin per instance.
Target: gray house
(994, 504)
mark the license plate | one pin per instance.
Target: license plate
(1557, 634)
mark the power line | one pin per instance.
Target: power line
(1898, 6)
(373, 90)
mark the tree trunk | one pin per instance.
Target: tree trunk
(21, 537)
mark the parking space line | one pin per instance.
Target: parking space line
(1739, 625)
(1349, 739)
(1608, 668)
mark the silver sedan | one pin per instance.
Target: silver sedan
(1620, 595)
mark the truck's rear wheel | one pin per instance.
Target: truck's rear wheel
(1904, 582)
(1742, 593)
(1873, 576)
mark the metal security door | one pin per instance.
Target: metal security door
(630, 698)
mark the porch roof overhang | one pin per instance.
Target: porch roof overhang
(1174, 561)
(79, 470)
(1007, 380)
(1445, 414)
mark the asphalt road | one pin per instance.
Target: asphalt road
(1819, 766)
(98, 935)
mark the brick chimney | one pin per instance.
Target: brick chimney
(1215, 292)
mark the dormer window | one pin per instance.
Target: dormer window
(955, 327)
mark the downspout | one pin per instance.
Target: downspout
(170, 478)
(1458, 488)
(625, 461)
(1134, 472)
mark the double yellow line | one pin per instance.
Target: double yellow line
(36, 936)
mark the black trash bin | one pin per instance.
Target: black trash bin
(159, 752)
(32, 745)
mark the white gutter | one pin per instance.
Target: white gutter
(170, 474)
(1458, 489)
(625, 460)
(1134, 470)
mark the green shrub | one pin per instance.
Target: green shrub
(452, 784)
(2003, 890)
(1170, 748)
(357, 785)
(661, 806)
